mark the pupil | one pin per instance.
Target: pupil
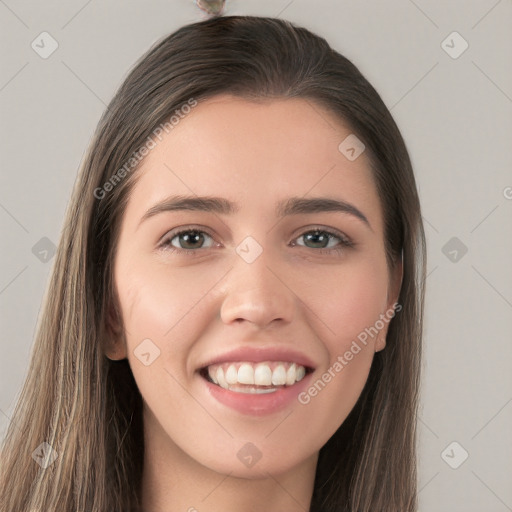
(195, 237)
(317, 237)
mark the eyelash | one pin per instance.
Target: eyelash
(344, 244)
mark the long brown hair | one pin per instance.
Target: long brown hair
(88, 407)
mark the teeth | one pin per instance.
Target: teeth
(231, 375)
(213, 374)
(239, 376)
(252, 390)
(279, 376)
(291, 375)
(262, 375)
(221, 379)
(246, 374)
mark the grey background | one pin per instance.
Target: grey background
(455, 115)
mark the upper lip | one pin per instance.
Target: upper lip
(260, 354)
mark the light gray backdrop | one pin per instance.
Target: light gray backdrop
(453, 105)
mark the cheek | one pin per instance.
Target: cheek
(349, 305)
(334, 392)
(349, 301)
(155, 299)
(162, 312)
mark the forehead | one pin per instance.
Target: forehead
(256, 153)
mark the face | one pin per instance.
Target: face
(250, 322)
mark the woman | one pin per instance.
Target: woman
(234, 316)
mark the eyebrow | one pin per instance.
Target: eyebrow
(222, 206)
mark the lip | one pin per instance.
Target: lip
(257, 404)
(259, 355)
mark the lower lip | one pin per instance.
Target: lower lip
(258, 404)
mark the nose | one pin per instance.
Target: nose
(258, 293)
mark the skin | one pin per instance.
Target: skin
(193, 308)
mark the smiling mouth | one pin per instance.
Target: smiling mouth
(255, 378)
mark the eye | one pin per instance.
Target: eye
(186, 240)
(325, 241)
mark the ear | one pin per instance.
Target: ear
(395, 285)
(114, 346)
